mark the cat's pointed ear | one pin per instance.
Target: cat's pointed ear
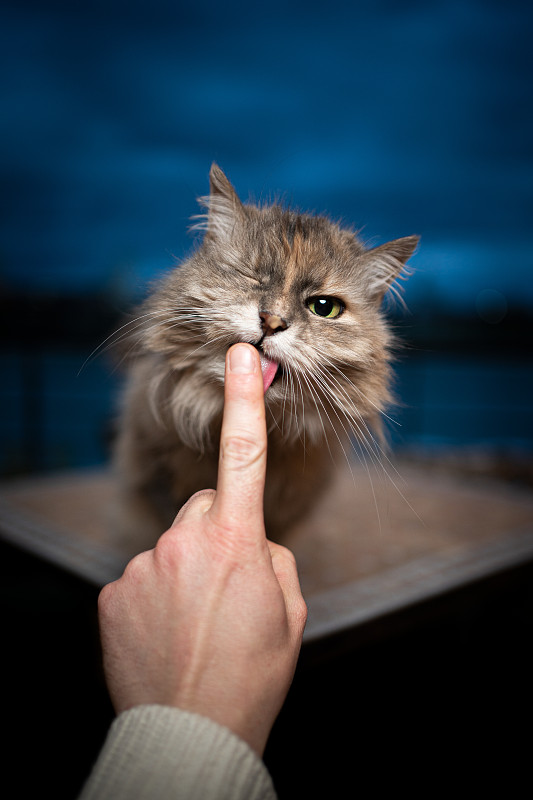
(224, 207)
(386, 263)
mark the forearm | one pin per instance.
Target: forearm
(162, 753)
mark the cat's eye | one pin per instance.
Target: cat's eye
(327, 307)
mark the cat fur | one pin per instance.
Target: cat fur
(335, 376)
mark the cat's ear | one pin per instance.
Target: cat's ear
(384, 264)
(225, 209)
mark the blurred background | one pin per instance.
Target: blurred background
(396, 117)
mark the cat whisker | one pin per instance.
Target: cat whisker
(136, 344)
(379, 450)
(100, 348)
(323, 378)
(361, 394)
(128, 328)
(349, 401)
(358, 389)
(364, 437)
(315, 396)
(292, 374)
(356, 423)
(379, 462)
(361, 437)
(353, 425)
(300, 424)
(200, 347)
(290, 398)
(295, 382)
(312, 395)
(346, 432)
(274, 423)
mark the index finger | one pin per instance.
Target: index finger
(243, 443)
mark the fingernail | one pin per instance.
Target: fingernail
(241, 360)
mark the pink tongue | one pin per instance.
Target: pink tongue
(269, 369)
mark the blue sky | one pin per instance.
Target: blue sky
(398, 117)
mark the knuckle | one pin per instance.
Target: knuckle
(287, 554)
(203, 496)
(165, 550)
(298, 614)
(302, 611)
(284, 556)
(106, 599)
(242, 450)
(135, 570)
(199, 502)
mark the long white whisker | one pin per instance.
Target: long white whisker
(356, 388)
(376, 444)
(135, 324)
(357, 425)
(300, 426)
(362, 438)
(314, 394)
(363, 422)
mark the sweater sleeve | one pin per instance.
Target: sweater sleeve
(161, 753)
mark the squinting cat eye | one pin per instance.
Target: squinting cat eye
(328, 307)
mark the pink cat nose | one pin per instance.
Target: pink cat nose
(272, 323)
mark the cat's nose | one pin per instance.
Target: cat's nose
(272, 323)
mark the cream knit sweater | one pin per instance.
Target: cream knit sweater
(159, 753)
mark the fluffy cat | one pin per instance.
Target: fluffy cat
(307, 294)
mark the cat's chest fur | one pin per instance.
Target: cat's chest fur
(307, 294)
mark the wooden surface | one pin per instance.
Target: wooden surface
(375, 544)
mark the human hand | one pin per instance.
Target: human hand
(211, 620)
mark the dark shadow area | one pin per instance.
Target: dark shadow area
(430, 697)
(435, 696)
(55, 703)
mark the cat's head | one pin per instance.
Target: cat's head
(303, 290)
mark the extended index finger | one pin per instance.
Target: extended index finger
(243, 443)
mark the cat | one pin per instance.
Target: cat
(308, 294)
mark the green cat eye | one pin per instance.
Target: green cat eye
(327, 307)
